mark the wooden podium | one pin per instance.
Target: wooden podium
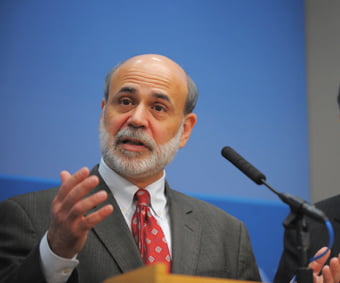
(157, 273)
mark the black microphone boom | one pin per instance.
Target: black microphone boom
(296, 204)
(243, 165)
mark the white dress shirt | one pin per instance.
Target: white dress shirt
(58, 270)
(124, 191)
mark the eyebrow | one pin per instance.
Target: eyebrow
(132, 90)
(127, 89)
(162, 96)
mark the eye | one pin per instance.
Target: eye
(125, 101)
(159, 108)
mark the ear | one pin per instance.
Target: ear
(102, 106)
(103, 103)
(188, 124)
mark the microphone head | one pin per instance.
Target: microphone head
(242, 164)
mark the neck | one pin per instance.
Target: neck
(143, 182)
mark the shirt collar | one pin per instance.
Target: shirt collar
(124, 191)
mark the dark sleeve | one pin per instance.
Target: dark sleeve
(19, 246)
(23, 222)
(247, 269)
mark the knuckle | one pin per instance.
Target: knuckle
(77, 210)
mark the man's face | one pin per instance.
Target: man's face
(143, 122)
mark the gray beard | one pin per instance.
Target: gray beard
(129, 164)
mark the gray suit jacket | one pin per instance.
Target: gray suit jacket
(206, 241)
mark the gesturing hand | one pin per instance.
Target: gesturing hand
(70, 225)
(329, 273)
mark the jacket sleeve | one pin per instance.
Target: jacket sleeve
(19, 246)
(247, 267)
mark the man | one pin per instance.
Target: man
(318, 238)
(146, 116)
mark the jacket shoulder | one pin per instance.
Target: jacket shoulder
(205, 208)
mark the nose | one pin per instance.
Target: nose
(138, 118)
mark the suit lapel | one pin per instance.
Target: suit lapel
(186, 233)
(116, 235)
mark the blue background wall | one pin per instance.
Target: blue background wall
(247, 57)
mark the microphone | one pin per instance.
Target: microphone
(296, 204)
(242, 164)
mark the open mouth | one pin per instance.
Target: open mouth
(134, 144)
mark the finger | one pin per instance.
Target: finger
(94, 218)
(85, 204)
(70, 181)
(64, 175)
(317, 265)
(316, 278)
(334, 265)
(327, 275)
(78, 193)
(67, 234)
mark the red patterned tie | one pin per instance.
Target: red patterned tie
(147, 233)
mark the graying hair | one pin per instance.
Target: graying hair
(192, 90)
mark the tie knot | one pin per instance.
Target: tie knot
(143, 197)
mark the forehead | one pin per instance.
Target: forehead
(157, 73)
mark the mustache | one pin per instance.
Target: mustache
(136, 136)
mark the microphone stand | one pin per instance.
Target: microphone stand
(297, 220)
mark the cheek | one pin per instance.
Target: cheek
(164, 134)
(113, 123)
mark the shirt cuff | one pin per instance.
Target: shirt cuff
(55, 268)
